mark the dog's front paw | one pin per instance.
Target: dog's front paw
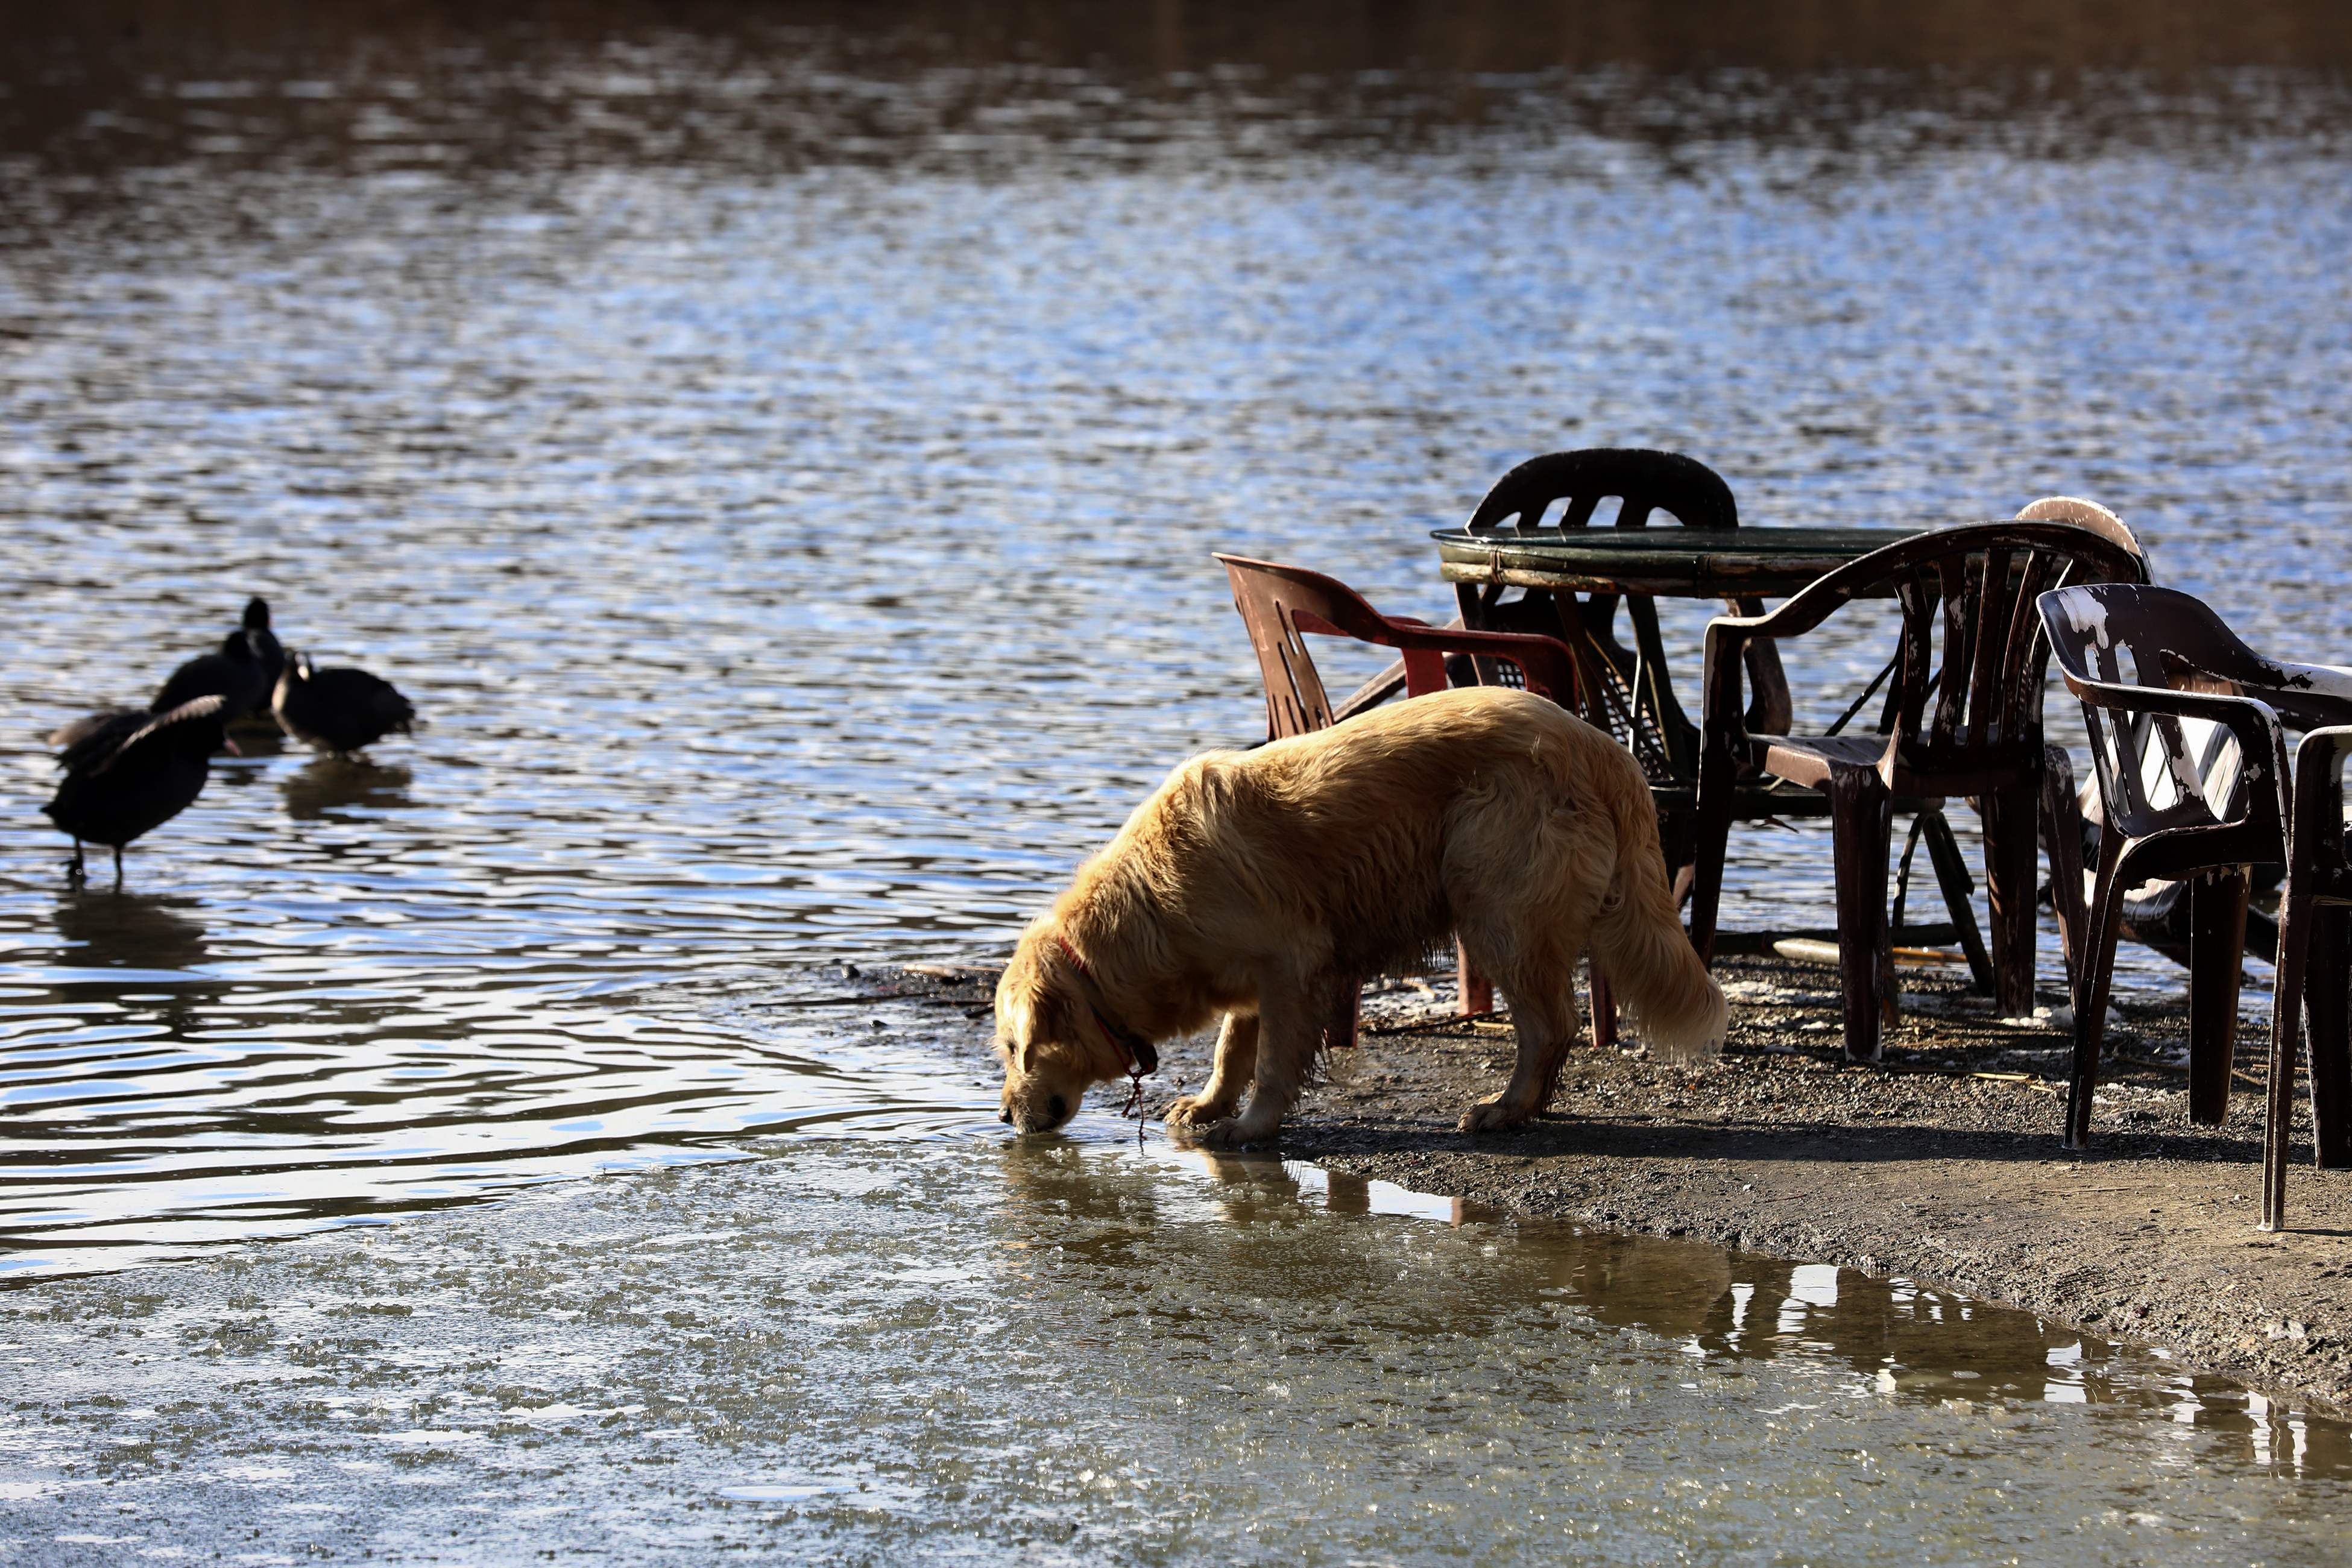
(1492, 1116)
(1240, 1133)
(1192, 1110)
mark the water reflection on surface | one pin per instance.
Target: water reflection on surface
(1917, 1343)
(333, 789)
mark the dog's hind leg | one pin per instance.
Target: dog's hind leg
(1291, 1019)
(1544, 1017)
(1236, 1064)
(1528, 932)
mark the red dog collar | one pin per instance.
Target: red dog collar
(1141, 1056)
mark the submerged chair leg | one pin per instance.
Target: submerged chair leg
(2217, 955)
(2327, 1003)
(1862, 820)
(2091, 992)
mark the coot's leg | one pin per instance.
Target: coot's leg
(74, 872)
(117, 868)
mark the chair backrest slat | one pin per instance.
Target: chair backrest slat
(1282, 605)
(1970, 589)
(1996, 608)
(1914, 670)
(1957, 585)
(2025, 626)
(1627, 690)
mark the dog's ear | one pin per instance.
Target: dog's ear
(1031, 1009)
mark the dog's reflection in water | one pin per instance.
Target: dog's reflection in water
(326, 787)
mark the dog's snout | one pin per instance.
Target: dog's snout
(1006, 1116)
(1058, 1108)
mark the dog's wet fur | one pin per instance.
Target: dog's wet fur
(1262, 887)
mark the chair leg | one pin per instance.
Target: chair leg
(1605, 1010)
(1347, 1015)
(1674, 839)
(1710, 841)
(1862, 820)
(2327, 1002)
(1952, 880)
(2010, 821)
(2294, 942)
(2217, 956)
(1476, 991)
(2091, 992)
(2062, 843)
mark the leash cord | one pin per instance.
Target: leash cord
(1134, 1107)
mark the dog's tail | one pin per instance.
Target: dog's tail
(1656, 977)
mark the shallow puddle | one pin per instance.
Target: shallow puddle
(1090, 1352)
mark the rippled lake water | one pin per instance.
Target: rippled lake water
(783, 477)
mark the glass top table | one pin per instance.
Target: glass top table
(1755, 561)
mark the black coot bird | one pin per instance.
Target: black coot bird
(266, 650)
(244, 672)
(235, 673)
(128, 773)
(339, 710)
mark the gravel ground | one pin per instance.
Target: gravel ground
(1942, 1165)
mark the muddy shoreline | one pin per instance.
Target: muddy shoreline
(1942, 1166)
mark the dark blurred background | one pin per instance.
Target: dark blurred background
(104, 82)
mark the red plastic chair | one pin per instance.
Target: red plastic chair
(1278, 603)
(1283, 605)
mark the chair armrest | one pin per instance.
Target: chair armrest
(2252, 721)
(2322, 753)
(1546, 663)
(1723, 719)
(1805, 609)
(2261, 741)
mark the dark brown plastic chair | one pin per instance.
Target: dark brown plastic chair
(1628, 692)
(1982, 738)
(1283, 605)
(2147, 663)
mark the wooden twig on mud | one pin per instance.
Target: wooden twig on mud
(1423, 1025)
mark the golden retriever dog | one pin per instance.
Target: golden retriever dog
(1265, 886)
